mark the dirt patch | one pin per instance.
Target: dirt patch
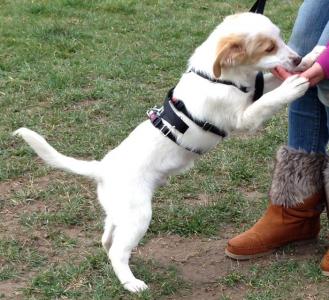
(313, 291)
(245, 135)
(254, 196)
(199, 260)
(10, 290)
(200, 200)
(55, 243)
(201, 263)
(82, 104)
(5, 187)
(9, 187)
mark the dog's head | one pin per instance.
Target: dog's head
(250, 40)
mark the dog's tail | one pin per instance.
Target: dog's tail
(56, 159)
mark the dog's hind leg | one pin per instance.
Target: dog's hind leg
(107, 235)
(128, 208)
(125, 237)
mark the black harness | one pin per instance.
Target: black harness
(259, 83)
(258, 7)
(167, 113)
(215, 80)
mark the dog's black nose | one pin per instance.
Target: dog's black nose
(296, 61)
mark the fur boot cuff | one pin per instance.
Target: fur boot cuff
(297, 176)
(326, 185)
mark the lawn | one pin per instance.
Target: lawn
(83, 73)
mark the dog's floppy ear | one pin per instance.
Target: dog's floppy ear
(230, 51)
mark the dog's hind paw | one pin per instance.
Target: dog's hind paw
(135, 286)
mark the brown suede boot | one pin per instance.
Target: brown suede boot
(325, 264)
(297, 197)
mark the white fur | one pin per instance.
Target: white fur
(128, 175)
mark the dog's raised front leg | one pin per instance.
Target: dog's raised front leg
(271, 82)
(310, 58)
(261, 110)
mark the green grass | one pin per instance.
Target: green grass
(269, 282)
(21, 253)
(83, 73)
(93, 278)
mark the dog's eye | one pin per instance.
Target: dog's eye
(270, 49)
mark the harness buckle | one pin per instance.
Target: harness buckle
(155, 110)
(206, 126)
(165, 130)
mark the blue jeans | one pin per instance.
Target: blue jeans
(308, 126)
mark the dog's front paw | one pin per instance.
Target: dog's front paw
(293, 87)
(135, 286)
(310, 58)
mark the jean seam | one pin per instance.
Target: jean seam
(316, 135)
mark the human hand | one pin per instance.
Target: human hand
(281, 73)
(314, 74)
(307, 68)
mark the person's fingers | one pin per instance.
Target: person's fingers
(314, 74)
(314, 71)
(283, 73)
(276, 74)
(315, 80)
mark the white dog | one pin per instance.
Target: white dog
(217, 91)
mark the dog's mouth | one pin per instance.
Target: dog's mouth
(290, 67)
(293, 64)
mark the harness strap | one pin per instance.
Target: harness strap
(243, 89)
(168, 114)
(157, 115)
(171, 117)
(180, 106)
(258, 7)
(156, 120)
(259, 86)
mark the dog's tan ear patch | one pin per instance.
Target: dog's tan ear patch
(230, 51)
(261, 46)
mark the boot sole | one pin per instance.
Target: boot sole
(247, 257)
(261, 254)
(325, 273)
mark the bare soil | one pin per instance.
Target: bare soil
(12, 229)
(200, 261)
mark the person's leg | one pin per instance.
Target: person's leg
(307, 116)
(296, 196)
(307, 125)
(323, 86)
(311, 20)
(294, 210)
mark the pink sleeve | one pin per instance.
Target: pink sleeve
(323, 60)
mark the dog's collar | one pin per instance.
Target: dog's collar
(259, 83)
(204, 75)
(167, 113)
